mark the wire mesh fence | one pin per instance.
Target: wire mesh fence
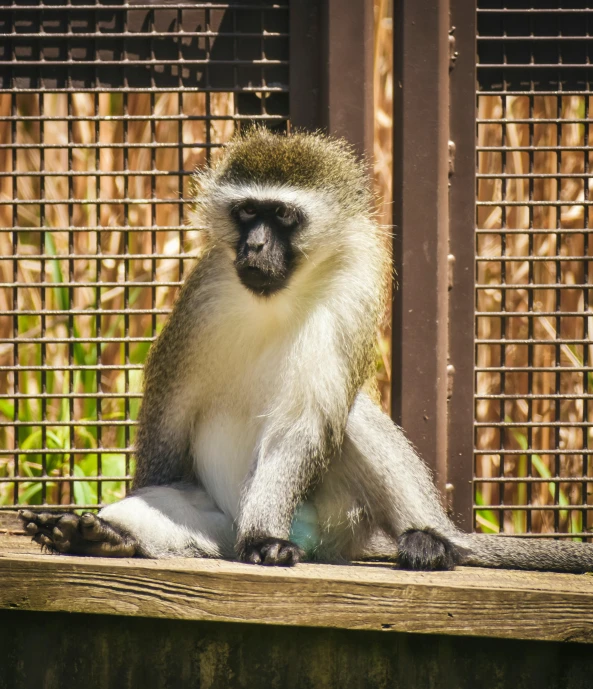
(106, 108)
(534, 365)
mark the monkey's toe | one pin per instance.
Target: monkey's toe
(64, 532)
(425, 549)
(271, 551)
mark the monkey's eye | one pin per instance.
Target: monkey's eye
(285, 214)
(247, 213)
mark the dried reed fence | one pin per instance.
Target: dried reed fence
(61, 409)
(540, 451)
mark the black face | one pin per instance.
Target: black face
(265, 257)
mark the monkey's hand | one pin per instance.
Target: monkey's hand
(270, 551)
(425, 549)
(76, 534)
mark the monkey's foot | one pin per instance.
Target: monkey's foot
(270, 551)
(76, 534)
(426, 549)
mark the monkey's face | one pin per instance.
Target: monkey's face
(265, 253)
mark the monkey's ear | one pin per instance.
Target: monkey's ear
(425, 549)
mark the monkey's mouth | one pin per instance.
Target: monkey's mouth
(259, 281)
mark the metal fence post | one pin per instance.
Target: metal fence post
(462, 216)
(331, 85)
(421, 227)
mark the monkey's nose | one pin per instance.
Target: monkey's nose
(255, 245)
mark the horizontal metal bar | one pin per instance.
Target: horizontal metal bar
(535, 451)
(534, 120)
(543, 285)
(156, 89)
(72, 396)
(549, 535)
(526, 175)
(141, 118)
(533, 65)
(558, 370)
(100, 228)
(74, 340)
(522, 508)
(58, 508)
(534, 230)
(535, 204)
(532, 92)
(529, 39)
(122, 64)
(85, 312)
(535, 149)
(97, 173)
(41, 7)
(62, 479)
(530, 259)
(181, 33)
(69, 451)
(94, 285)
(532, 10)
(534, 314)
(117, 145)
(73, 368)
(530, 396)
(103, 257)
(534, 341)
(68, 424)
(533, 424)
(534, 479)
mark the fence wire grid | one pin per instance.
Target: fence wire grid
(106, 108)
(533, 469)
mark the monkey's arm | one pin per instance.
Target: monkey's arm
(169, 400)
(304, 430)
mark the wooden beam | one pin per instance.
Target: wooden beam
(467, 602)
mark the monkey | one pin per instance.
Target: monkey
(258, 438)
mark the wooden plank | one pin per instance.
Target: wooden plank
(468, 601)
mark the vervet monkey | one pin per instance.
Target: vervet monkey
(256, 437)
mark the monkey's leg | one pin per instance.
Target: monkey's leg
(395, 488)
(179, 520)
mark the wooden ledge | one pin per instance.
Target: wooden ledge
(468, 601)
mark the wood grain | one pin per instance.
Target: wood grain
(468, 601)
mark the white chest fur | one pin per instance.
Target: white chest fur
(239, 376)
(224, 447)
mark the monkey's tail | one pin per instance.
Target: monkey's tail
(480, 550)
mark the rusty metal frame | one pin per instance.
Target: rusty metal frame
(433, 238)
(331, 82)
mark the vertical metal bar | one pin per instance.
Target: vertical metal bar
(348, 79)
(15, 289)
(126, 248)
(306, 64)
(462, 218)
(331, 73)
(421, 227)
(43, 297)
(586, 333)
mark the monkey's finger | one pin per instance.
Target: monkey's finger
(49, 519)
(270, 554)
(254, 557)
(31, 528)
(27, 515)
(288, 556)
(92, 528)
